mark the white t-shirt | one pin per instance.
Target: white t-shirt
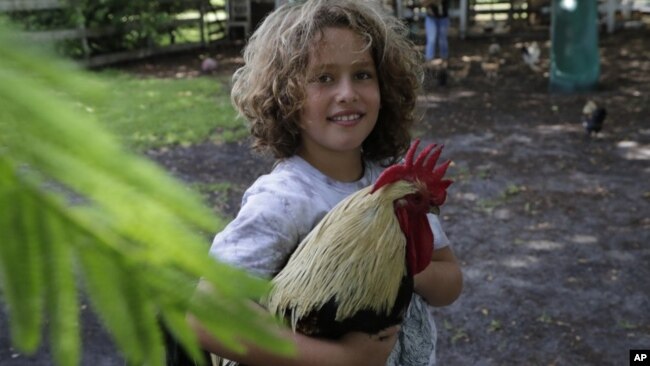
(281, 208)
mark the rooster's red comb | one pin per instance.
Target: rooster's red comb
(421, 170)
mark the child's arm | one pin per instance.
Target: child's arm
(353, 349)
(441, 282)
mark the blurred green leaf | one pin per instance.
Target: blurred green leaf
(76, 208)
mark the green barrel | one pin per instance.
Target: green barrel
(575, 61)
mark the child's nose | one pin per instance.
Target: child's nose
(347, 92)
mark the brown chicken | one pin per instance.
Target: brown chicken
(354, 271)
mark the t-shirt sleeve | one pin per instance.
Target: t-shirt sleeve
(262, 236)
(440, 239)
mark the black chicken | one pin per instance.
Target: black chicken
(593, 118)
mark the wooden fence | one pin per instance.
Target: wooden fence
(475, 18)
(208, 20)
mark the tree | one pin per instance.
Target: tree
(79, 213)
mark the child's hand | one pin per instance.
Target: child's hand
(370, 349)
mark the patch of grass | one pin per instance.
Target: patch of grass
(205, 188)
(457, 334)
(487, 205)
(215, 194)
(148, 113)
(624, 324)
(484, 173)
(512, 190)
(495, 326)
(545, 318)
(184, 34)
(460, 172)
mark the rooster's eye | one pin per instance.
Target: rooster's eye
(434, 210)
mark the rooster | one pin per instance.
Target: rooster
(354, 271)
(593, 118)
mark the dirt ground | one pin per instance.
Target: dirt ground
(552, 228)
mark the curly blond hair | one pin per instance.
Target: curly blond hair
(269, 90)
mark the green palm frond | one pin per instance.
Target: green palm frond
(77, 209)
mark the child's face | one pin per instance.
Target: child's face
(342, 94)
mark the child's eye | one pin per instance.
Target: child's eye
(364, 75)
(323, 78)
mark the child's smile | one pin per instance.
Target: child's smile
(346, 118)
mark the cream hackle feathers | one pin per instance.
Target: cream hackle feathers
(355, 255)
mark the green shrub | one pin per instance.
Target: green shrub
(123, 25)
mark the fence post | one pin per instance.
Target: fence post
(202, 22)
(81, 27)
(463, 9)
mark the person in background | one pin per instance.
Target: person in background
(436, 25)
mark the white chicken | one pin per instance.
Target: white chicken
(530, 53)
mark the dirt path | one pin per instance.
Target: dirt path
(553, 233)
(552, 229)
